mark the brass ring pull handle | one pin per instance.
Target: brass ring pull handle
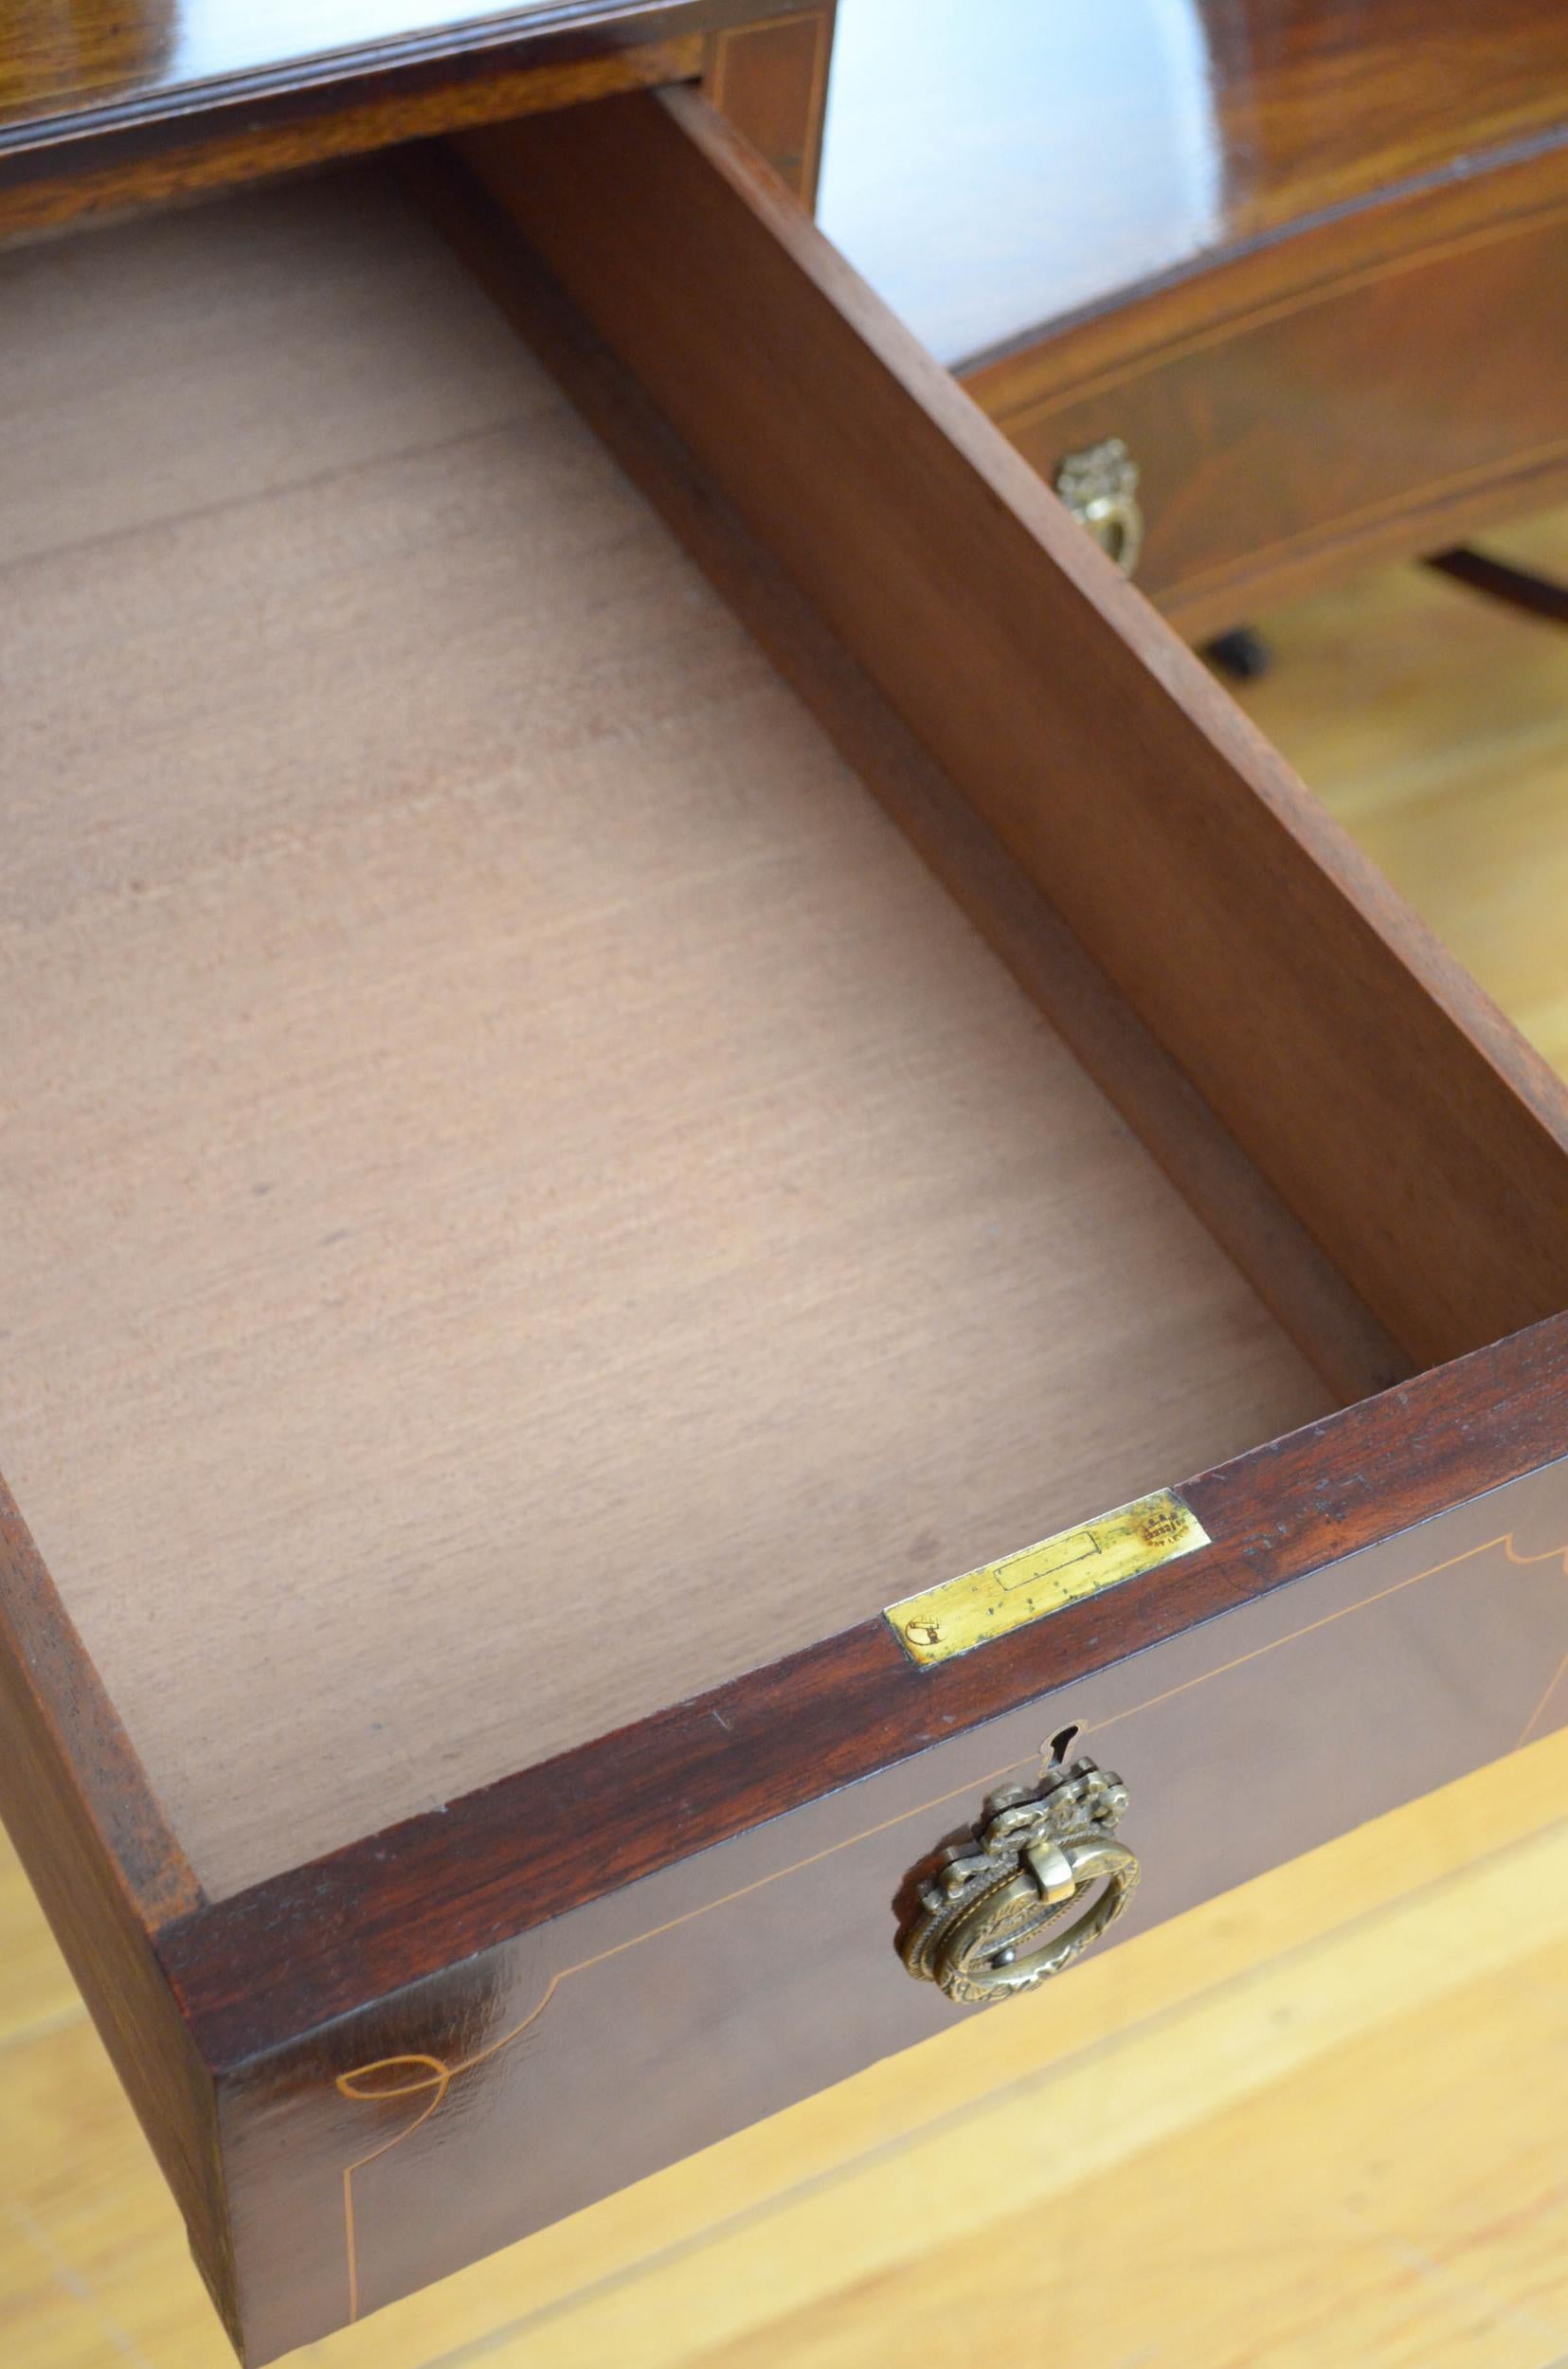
(986, 1925)
(1100, 486)
(980, 1955)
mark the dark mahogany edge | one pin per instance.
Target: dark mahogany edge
(93, 139)
(258, 1971)
(88, 1830)
(44, 1659)
(1381, 207)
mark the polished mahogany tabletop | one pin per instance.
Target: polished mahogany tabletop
(105, 103)
(992, 166)
(1001, 165)
(64, 58)
(76, 70)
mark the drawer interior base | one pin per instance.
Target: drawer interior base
(523, 1197)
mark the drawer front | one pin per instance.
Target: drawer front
(542, 2074)
(1327, 425)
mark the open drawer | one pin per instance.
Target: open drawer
(580, 1125)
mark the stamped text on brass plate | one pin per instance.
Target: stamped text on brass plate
(969, 1610)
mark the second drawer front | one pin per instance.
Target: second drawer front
(1331, 425)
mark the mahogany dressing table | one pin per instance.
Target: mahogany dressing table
(1278, 291)
(749, 1284)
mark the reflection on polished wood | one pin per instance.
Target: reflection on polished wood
(1307, 259)
(60, 61)
(1374, 388)
(998, 170)
(106, 104)
(1435, 723)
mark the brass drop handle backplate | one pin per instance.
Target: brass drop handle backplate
(989, 1920)
(1100, 487)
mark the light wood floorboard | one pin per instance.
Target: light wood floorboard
(1435, 724)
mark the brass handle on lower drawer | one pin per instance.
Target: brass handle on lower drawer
(1100, 487)
(986, 1922)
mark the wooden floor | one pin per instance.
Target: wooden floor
(1435, 724)
(1322, 2122)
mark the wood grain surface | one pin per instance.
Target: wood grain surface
(1358, 2063)
(1305, 1292)
(528, 1140)
(1408, 1129)
(1435, 723)
(1322, 299)
(1360, 2060)
(80, 1813)
(771, 80)
(109, 107)
(1057, 164)
(1296, 437)
(126, 163)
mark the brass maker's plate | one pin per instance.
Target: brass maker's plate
(1000, 1597)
